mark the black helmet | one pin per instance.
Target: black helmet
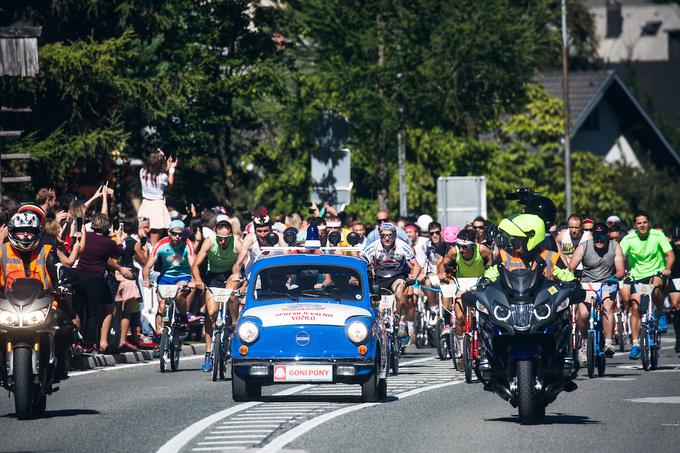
(542, 207)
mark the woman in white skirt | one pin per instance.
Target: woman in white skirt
(156, 176)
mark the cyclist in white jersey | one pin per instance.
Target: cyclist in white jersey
(569, 238)
(393, 264)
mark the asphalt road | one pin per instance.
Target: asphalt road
(135, 408)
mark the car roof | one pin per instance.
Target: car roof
(304, 258)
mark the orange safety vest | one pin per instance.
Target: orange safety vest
(512, 263)
(10, 262)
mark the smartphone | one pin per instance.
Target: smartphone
(121, 226)
(79, 224)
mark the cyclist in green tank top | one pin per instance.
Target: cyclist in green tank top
(649, 253)
(221, 252)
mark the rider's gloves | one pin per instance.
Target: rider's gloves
(613, 281)
(563, 275)
(492, 273)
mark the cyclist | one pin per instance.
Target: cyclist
(221, 251)
(603, 263)
(471, 259)
(176, 255)
(567, 240)
(446, 268)
(381, 217)
(394, 264)
(251, 248)
(428, 253)
(674, 290)
(478, 225)
(615, 232)
(649, 254)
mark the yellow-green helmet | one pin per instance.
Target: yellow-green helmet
(527, 226)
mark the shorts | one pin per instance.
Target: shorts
(168, 280)
(218, 280)
(386, 282)
(674, 283)
(606, 289)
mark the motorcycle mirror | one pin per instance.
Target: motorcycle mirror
(353, 238)
(272, 239)
(334, 238)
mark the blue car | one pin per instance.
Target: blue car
(308, 318)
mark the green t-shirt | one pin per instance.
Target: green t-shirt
(645, 258)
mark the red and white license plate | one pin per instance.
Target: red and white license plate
(303, 373)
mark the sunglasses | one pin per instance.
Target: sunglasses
(465, 246)
(387, 236)
(382, 220)
(222, 238)
(437, 232)
(600, 238)
(478, 227)
(175, 233)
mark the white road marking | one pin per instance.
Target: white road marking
(616, 379)
(123, 366)
(657, 400)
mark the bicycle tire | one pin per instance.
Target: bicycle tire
(467, 358)
(620, 334)
(421, 331)
(654, 352)
(590, 354)
(224, 350)
(442, 342)
(176, 349)
(216, 356)
(644, 348)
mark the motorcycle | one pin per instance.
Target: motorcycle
(29, 322)
(524, 325)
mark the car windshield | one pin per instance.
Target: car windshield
(308, 282)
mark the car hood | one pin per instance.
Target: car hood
(329, 314)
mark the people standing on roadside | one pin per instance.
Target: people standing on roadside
(46, 198)
(156, 176)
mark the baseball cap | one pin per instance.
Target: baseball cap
(176, 225)
(221, 218)
(613, 219)
(587, 221)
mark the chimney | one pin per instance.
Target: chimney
(614, 19)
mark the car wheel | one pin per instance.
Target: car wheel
(239, 387)
(369, 389)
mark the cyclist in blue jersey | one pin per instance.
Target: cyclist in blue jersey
(176, 255)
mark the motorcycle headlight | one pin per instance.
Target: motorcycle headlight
(8, 318)
(521, 316)
(35, 317)
(501, 313)
(482, 308)
(357, 331)
(542, 312)
(564, 304)
(248, 332)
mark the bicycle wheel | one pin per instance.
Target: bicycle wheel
(590, 353)
(654, 352)
(216, 355)
(394, 354)
(453, 347)
(601, 358)
(620, 333)
(224, 351)
(175, 348)
(163, 348)
(575, 349)
(441, 341)
(421, 330)
(467, 358)
(644, 348)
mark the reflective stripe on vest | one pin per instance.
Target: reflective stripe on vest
(550, 262)
(11, 263)
(511, 263)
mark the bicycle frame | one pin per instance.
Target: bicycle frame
(648, 323)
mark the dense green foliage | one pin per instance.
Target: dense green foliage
(233, 88)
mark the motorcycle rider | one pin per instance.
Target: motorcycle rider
(25, 254)
(603, 263)
(546, 210)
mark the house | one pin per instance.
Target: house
(642, 40)
(607, 119)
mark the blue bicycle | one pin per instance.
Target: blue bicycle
(650, 337)
(595, 352)
(222, 331)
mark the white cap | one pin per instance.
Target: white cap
(335, 224)
(221, 218)
(278, 226)
(613, 219)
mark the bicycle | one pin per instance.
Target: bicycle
(650, 337)
(387, 308)
(222, 331)
(595, 340)
(470, 347)
(170, 346)
(621, 325)
(426, 319)
(436, 320)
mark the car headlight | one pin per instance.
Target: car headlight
(482, 308)
(564, 304)
(248, 332)
(8, 318)
(357, 331)
(501, 313)
(35, 317)
(542, 312)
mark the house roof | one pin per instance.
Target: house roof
(632, 44)
(588, 88)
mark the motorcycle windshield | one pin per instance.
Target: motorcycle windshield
(521, 282)
(22, 289)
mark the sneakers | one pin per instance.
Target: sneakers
(583, 356)
(207, 363)
(663, 323)
(634, 353)
(608, 351)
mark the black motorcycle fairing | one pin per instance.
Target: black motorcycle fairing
(24, 291)
(521, 284)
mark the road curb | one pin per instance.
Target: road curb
(107, 360)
